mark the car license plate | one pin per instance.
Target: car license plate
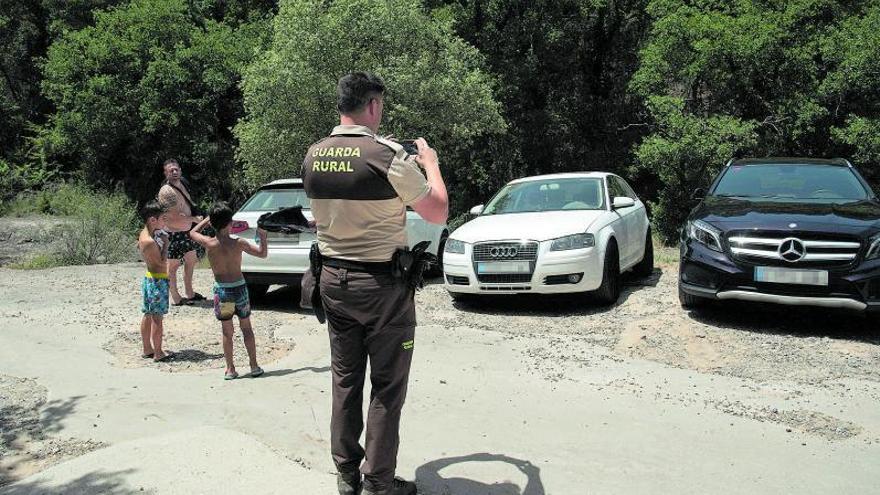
(789, 276)
(504, 267)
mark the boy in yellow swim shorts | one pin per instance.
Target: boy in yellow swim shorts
(153, 245)
(230, 290)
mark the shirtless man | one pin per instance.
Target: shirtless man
(175, 197)
(230, 291)
(153, 245)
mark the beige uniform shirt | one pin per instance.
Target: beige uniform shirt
(359, 185)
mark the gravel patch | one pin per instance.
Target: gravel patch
(27, 424)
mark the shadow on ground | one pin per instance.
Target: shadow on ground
(283, 299)
(578, 304)
(99, 482)
(194, 356)
(286, 372)
(429, 478)
(797, 321)
(27, 426)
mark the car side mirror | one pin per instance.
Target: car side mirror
(622, 202)
(698, 194)
(476, 210)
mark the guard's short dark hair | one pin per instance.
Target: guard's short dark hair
(169, 162)
(355, 90)
(221, 215)
(151, 210)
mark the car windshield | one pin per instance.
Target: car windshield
(275, 199)
(548, 195)
(796, 182)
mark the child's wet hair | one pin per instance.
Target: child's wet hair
(152, 210)
(221, 215)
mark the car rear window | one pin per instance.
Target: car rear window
(275, 199)
(797, 182)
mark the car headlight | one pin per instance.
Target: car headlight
(873, 248)
(576, 241)
(454, 246)
(705, 234)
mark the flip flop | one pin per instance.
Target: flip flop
(257, 372)
(197, 297)
(230, 376)
(167, 357)
(183, 302)
(148, 356)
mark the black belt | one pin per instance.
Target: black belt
(375, 267)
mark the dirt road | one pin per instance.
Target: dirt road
(508, 396)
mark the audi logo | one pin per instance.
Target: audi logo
(503, 252)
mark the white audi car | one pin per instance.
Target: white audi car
(288, 255)
(552, 234)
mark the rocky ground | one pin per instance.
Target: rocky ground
(28, 441)
(23, 238)
(786, 348)
(680, 390)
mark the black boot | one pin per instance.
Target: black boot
(349, 483)
(398, 487)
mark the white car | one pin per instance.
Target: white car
(552, 234)
(288, 255)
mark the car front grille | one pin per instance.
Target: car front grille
(505, 278)
(785, 249)
(506, 251)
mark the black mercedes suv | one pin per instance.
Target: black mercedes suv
(792, 231)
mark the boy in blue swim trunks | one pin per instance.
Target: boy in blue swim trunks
(230, 291)
(153, 245)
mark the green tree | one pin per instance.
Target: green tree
(150, 80)
(563, 67)
(853, 88)
(752, 78)
(437, 88)
(22, 41)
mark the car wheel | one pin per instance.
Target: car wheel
(609, 291)
(645, 268)
(436, 270)
(688, 301)
(257, 291)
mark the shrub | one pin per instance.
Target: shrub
(101, 229)
(39, 261)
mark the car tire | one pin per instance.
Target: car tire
(645, 268)
(609, 291)
(257, 291)
(436, 270)
(690, 302)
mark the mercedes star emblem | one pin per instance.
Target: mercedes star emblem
(792, 250)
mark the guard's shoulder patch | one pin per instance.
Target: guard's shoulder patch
(393, 145)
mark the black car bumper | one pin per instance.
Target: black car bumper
(712, 275)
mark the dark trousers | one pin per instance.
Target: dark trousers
(368, 315)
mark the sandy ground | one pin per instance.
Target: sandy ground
(518, 395)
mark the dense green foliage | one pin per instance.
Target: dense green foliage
(436, 86)
(563, 67)
(725, 79)
(661, 91)
(150, 80)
